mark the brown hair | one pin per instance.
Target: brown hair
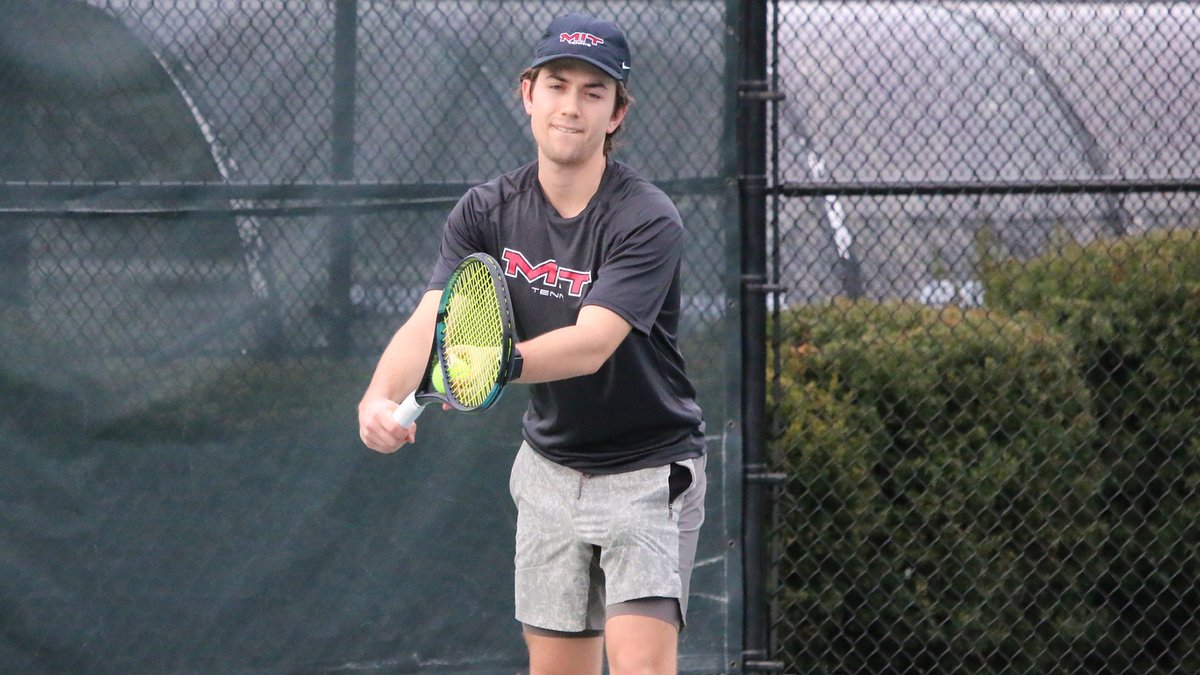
(623, 100)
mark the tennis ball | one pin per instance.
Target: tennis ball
(460, 370)
(439, 382)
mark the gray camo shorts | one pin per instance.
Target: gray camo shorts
(588, 541)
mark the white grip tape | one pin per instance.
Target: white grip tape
(408, 412)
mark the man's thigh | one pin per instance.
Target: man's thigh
(550, 655)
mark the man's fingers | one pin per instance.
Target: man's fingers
(388, 436)
(382, 433)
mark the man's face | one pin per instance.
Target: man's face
(571, 109)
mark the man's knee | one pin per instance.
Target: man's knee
(640, 645)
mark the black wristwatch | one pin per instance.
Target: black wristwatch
(518, 364)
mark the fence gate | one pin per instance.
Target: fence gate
(982, 281)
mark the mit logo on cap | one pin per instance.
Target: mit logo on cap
(588, 39)
(580, 39)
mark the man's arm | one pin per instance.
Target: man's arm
(398, 373)
(575, 350)
(564, 353)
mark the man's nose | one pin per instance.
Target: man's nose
(570, 105)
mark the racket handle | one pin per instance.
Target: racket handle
(408, 412)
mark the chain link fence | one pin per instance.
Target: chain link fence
(213, 216)
(985, 367)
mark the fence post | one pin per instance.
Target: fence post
(15, 233)
(341, 255)
(753, 95)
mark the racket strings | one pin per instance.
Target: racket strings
(474, 334)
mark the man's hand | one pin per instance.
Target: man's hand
(398, 372)
(378, 430)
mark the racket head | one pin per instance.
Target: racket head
(474, 335)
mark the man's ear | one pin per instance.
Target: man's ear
(618, 116)
(527, 95)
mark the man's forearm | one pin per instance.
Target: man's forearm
(575, 350)
(404, 360)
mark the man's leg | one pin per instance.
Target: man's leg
(564, 655)
(641, 645)
(642, 635)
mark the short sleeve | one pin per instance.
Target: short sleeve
(638, 271)
(460, 238)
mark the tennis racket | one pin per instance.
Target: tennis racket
(472, 354)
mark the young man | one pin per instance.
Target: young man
(609, 483)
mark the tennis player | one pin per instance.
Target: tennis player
(609, 482)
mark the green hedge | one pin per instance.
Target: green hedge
(1010, 490)
(1131, 307)
(940, 510)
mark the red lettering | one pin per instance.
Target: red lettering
(548, 273)
(515, 263)
(576, 279)
(580, 39)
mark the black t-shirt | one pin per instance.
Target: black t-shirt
(622, 253)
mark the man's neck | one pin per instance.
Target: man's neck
(569, 189)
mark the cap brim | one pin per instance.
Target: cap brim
(606, 69)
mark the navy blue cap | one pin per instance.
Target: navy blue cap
(578, 36)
